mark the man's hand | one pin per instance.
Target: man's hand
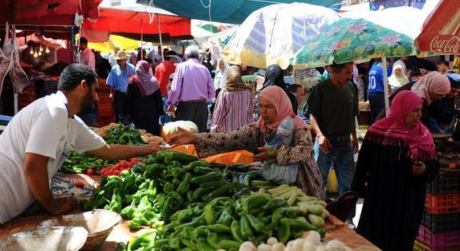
(183, 138)
(63, 205)
(154, 146)
(355, 144)
(324, 144)
(171, 111)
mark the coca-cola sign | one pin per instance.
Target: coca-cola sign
(446, 44)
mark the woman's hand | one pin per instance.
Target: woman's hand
(183, 138)
(262, 155)
(418, 168)
(324, 144)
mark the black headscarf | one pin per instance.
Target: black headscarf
(275, 76)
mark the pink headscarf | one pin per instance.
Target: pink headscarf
(433, 82)
(278, 98)
(147, 83)
(394, 128)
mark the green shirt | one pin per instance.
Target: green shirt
(333, 107)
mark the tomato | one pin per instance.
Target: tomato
(116, 166)
(106, 132)
(90, 171)
(452, 165)
(79, 184)
(123, 163)
(116, 172)
(134, 160)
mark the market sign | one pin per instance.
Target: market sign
(441, 31)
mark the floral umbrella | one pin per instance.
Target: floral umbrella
(356, 40)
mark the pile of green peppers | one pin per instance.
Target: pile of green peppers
(124, 135)
(80, 162)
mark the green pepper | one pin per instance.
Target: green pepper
(145, 203)
(246, 230)
(177, 197)
(204, 246)
(128, 212)
(177, 172)
(213, 240)
(86, 205)
(221, 191)
(160, 156)
(283, 232)
(121, 246)
(205, 178)
(299, 225)
(255, 223)
(184, 185)
(200, 231)
(203, 170)
(151, 191)
(198, 193)
(138, 168)
(219, 228)
(278, 214)
(166, 209)
(274, 204)
(225, 218)
(198, 221)
(236, 231)
(135, 243)
(174, 243)
(209, 214)
(181, 157)
(254, 202)
(190, 197)
(198, 163)
(168, 187)
(134, 224)
(230, 244)
(116, 202)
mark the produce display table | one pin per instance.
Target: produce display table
(121, 233)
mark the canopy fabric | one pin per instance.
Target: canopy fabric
(225, 11)
(441, 32)
(47, 12)
(123, 21)
(115, 41)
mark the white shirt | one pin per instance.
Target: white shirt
(112, 60)
(87, 58)
(43, 128)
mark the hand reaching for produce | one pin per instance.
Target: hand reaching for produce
(154, 146)
(418, 168)
(184, 137)
(262, 155)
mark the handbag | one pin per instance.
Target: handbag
(273, 171)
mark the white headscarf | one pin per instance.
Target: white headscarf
(398, 81)
(220, 80)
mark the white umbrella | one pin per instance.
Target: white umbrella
(273, 34)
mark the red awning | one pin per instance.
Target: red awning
(124, 21)
(47, 12)
(441, 32)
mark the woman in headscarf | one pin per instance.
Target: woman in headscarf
(433, 86)
(275, 77)
(397, 78)
(144, 103)
(234, 105)
(274, 107)
(396, 160)
(220, 77)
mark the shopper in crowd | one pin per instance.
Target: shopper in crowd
(191, 90)
(118, 80)
(162, 72)
(275, 77)
(443, 67)
(274, 107)
(333, 107)
(220, 76)
(103, 67)
(299, 92)
(143, 103)
(112, 57)
(396, 160)
(38, 138)
(234, 105)
(132, 58)
(376, 89)
(397, 78)
(426, 66)
(442, 112)
(403, 63)
(87, 55)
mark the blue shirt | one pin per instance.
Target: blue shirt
(119, 79)
(376, 79)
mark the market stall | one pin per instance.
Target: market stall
(174, 194)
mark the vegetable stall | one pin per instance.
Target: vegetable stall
(174, 201)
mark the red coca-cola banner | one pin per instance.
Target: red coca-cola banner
(441, 32)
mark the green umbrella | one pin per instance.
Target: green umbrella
(354, 40)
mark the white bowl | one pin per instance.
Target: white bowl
(49, 239)
(98, 222)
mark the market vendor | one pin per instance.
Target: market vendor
(274, 106)
(442, 112)
(36, 141)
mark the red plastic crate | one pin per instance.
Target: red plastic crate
(103, 85)
(103, 121)
(418, 246)
(104, 110)
(104, 99)
(440, 240)
(442, 203)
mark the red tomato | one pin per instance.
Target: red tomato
(116, 172)
(79, 184)
(134, 160)
(106, 132)
(116, 166)
(90, 171)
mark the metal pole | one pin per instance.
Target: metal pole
(161, 40)
(385, 85)
(142, 40)
(15, 95)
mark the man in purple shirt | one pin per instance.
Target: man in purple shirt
(191, 89)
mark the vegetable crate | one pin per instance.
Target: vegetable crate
(442, 203)
(418, 246)
(440, 240)
(104, 98)
(438, 223)
(444, 184)
(103, 85)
